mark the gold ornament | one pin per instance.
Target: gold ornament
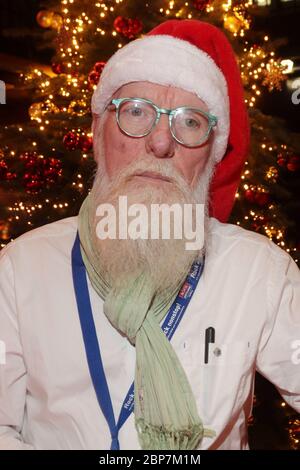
(44, 18)
(272, 174)
(273, 76)
(56, 22)
(35, 111)
(49, 107)
(232, 24)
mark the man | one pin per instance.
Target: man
(83, 316)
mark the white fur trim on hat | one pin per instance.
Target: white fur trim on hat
(166, 60)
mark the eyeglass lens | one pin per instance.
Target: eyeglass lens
(138, 117)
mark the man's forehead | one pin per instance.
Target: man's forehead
(160, 94)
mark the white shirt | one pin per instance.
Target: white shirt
(249, 292)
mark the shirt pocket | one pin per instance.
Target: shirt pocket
(235, 353)
(225, 381)
(227, 378)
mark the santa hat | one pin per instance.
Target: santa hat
(197, 57)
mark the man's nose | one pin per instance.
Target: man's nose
(160, 141)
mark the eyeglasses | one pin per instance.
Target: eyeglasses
(189, 126)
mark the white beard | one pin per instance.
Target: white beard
(164, 262)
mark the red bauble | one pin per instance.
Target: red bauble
(250, 195)
(71, 140)
(93, 78)
(52, 169)
(54, 162)
(27, 176)
(31, 162)
(95, 74)
(45, 171)
(281, 160)
(293, 163)
(3, 169)
(27, 155)
(120, 24)
(29, 159)
(10, 176)
(200, 4)
(257, 197)
(128, 27)
(262, 198)
(33, 185)
(135, 27)
(85, 143)
(58, 68)
(99, 66)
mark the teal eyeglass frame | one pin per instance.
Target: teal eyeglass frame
(212, 120)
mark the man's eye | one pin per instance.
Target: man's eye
(192, 123)
(134, 112)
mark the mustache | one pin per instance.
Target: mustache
(164, 169)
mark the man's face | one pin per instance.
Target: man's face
(121, 150)
(173, 171)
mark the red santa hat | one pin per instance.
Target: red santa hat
(197, 57)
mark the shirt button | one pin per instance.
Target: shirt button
(217, 352)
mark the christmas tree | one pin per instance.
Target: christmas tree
(47, 166)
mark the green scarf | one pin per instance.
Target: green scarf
(165, 410)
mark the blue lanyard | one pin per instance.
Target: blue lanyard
(92, 349)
